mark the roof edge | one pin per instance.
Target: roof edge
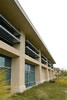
(22, 11)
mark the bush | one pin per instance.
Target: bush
(4, 87)
(65, 73)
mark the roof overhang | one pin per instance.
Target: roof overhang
(12, 10)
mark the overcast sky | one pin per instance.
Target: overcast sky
(50, 19)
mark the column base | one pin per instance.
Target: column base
(38, 82)
(17, 89)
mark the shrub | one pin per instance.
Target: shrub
(4, 87)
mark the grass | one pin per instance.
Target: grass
(45, 91)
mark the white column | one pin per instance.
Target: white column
(18, 68)
(38, 71)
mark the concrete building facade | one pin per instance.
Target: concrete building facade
(22, 52)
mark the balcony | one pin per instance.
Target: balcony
(49, 63)
(31, 50)
(43, 59)
(8, 33)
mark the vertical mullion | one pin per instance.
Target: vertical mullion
(28, 76)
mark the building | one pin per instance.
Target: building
(58, 72)
(22, 51)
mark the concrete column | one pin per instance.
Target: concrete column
(47, 72)
(44, 74)
(18, 68)
(52, 75)
(47, 75)
(38, 71)
(37, 74)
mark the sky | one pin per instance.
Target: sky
(50, 19)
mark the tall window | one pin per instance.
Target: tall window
(5, 63)
(29, 75)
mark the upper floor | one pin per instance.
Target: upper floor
(11, 36)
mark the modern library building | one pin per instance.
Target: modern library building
(22, 52)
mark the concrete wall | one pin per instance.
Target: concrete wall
(19, 58)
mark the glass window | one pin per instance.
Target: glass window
(26, 77)
(29, 75)
(32, 68)
(26, 68)
(5, 64)
(2, 61)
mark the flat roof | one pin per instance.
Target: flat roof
(12, 10)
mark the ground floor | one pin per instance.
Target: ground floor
(28, 75)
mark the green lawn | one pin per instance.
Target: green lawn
(45, 91)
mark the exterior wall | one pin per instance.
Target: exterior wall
(44, 74)
(50, 74)
(19, 58)
(17, 53)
